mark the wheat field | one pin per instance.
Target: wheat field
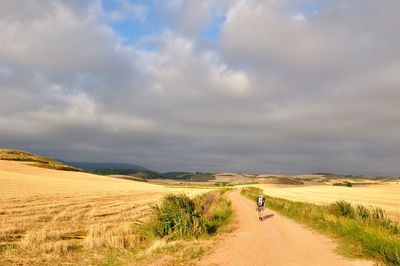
(52, 217)
(383, 195)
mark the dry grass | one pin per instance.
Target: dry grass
(51, 217)
(384, 195)
(35, 160)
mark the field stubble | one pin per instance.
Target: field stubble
(49, 217)
(384, 195)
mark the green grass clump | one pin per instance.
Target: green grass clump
(218, 214)
(342, 208)
(179, 217)
(182, 217)
(361, 231)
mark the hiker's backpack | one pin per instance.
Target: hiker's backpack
(261, 201)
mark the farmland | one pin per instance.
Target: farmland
(385, 195)
(52, 217)
(49, 216)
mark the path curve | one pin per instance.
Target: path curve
(275, 241)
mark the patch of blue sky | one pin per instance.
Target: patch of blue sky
(135, 30)
(109, 5)
(131, 30)
(211, 31)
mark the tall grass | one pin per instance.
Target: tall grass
(362, 231)
(181, 217)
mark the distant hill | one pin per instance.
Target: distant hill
(140, 172)
(35, 160)
(108, 168)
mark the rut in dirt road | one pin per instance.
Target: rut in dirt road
(274, 241)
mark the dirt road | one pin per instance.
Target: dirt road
(274, 241)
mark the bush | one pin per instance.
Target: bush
(341, 208)
(344, 184)
(180, 217)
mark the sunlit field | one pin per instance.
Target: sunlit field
(385, 195)
(49, 216)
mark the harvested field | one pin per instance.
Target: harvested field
(384, 195)
(49, 216)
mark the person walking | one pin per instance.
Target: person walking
(260, 206)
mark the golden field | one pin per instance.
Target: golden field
(385, 195)
(52, 217)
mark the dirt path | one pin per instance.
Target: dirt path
(274, 241)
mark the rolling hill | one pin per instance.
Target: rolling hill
(99, 167)
(35, 160)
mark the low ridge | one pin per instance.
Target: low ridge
(35, 160)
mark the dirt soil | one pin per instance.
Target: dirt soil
(274, 241)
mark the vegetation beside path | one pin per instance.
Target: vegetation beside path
(181, 217)
(179, 229)
(364, 232)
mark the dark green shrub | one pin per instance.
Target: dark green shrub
(179, 217)
(344, 184)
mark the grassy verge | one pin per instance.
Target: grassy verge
(361, 231)
(181, 217)
(179, 229)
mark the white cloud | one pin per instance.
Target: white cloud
(80, 105)
(298, 17)
(59, 40)
(277, 93)
(230, 81)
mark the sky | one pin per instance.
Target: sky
(257, 86)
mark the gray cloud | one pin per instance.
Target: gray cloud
(283, 91)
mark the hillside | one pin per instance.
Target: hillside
(106, 167)
(35, 160)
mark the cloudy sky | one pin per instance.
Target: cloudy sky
(284, 86)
